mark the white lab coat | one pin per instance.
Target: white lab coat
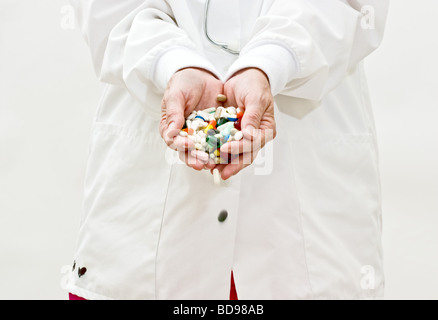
(304, 221)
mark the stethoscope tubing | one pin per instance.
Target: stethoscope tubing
(222, 45)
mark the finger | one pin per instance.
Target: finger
(167, 136)
(179, 143)
(219, 167)
(191, 161)
(255, 108)
(182, 144)
(237, 147)
(250, 122)
(210, 164)
(236, 165)
(172, 138)
(231, 99)
(200, 156)
(224, 160)
(174, 113)
(163, 125)
(252, 143)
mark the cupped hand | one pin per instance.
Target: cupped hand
(188, 90)
(249, 89)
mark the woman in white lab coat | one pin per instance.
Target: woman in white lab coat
(302, 222)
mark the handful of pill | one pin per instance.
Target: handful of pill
(211, 128)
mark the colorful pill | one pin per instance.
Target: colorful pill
(209, 127)
(238, 136)
(224, 114)
(226, 132)
(217, 181)
(212, 141)
(218, 112)
(226, 127)
(210, 110)
(221, 122)
(238, 124)
(231, 110)
(221, 98)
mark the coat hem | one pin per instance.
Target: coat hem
(85, 294)
(90, 295)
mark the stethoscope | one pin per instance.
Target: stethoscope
(233, 48)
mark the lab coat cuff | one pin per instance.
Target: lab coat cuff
(175, 59)
(278, 62)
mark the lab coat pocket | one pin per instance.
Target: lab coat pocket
(125, 191)
(339, 187)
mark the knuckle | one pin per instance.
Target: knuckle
(265, 99)
(166, 98)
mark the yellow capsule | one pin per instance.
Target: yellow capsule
(209, 127)
(217, 153)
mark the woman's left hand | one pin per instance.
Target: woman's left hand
(249, 89)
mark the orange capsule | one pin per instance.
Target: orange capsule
(240, 115)
(213, 123)
(186, 130)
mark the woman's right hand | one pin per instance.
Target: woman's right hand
(188, 90)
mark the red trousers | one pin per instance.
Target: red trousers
(233, 292)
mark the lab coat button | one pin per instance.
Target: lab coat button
(81, 271)
(223, 215)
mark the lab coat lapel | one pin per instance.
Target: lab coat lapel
(184, 19)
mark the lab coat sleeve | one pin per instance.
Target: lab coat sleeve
(137, 44)
(307, 47)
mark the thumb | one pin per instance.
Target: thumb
(175, 117)
(251, 119)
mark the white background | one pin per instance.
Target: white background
(48, 96)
